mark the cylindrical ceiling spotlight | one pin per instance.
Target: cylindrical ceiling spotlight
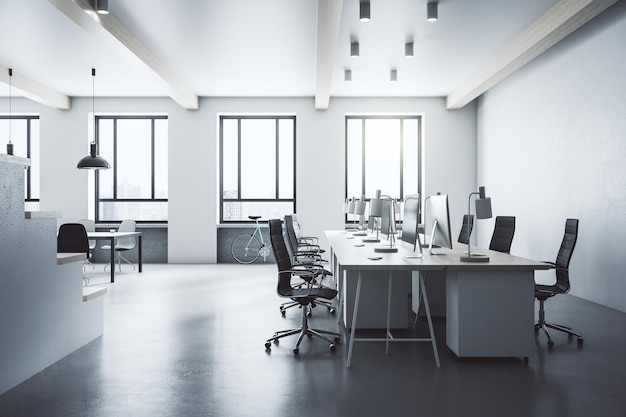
(102, 6)
(393, 75)
(354, 49)
(432, 12)
(347, 75)
(364, 11)
(408, 49)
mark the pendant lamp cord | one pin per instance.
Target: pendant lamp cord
(93, 101)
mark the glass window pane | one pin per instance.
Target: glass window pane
(286, 157)
(230, 149)
(105, 150)
(161, 173)
(258, 158)
(410, 152)
(146, 210)
(240, 210)
(134, 159)
(354, 158)
(382, 156)
(34, 159)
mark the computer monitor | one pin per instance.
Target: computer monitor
(440, 217)
(410, 239)
(388, 226)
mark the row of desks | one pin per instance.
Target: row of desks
(489, 306)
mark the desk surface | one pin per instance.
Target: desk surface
(351, 257)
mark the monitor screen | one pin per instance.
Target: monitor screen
(385, 219)
(440, 215)
(388, 219)
(410, 237)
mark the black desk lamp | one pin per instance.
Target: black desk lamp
(483, 211)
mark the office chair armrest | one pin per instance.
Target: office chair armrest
(308, 240)
(553, 264)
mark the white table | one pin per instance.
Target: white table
(489, 306)
(112, 237)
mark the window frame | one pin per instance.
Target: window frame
(419, 156)
(97, 199)
(239, 118)
(28, 175)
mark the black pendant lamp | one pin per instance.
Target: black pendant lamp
(93, 161)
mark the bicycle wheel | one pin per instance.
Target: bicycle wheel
(245, 249)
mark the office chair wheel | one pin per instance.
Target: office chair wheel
(268, 346)
(296, 351)
(580, 340)
(337, 340)
(550, 343)
(331, 310)
(332, 347)
(282, 312)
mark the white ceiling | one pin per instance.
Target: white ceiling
(254, 48)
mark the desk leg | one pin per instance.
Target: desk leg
(430, 322)
(112, 259)
(354, 314)
(338, 273)
(140, 255)
(388, 336)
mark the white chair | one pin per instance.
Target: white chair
(90, 226)
(123, 244)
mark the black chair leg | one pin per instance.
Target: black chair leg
(544, 325)
(304, 330)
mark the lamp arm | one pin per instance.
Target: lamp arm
(469, 234)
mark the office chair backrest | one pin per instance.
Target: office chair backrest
(503, 233)
(565, 254)
(281, 256)
(72, 238)
(127, 243)
(296, 227)
(291, 234)
(466, 228)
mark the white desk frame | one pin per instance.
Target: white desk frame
(112, 237)
(500, 293)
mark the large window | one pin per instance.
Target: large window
(136, 186)
(257, 167)
(24, 132)
(383, 153)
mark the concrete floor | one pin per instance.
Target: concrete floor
(188, 340)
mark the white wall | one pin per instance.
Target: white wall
(193, 154)
(552, 145)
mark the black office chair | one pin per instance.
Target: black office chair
(307, 253)
(503, 233)
(305, 296)
(72, 238)
(562, 285)
(466, 228)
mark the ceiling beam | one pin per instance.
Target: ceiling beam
(558, 22)
(112, 34)
(35, 91)
(328, 22)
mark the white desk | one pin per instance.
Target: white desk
(489, 306)
(112, 237)
(346, 257)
